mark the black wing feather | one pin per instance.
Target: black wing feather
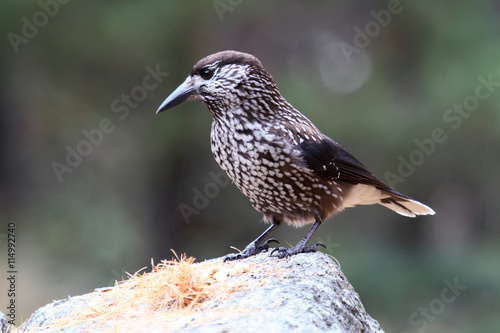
(328, 159)
(319, 158)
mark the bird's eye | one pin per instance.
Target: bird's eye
(206, 73)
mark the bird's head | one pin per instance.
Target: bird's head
(223, 81)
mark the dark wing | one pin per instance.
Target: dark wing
(329, 160)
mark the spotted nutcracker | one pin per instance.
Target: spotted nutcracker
(287, 168)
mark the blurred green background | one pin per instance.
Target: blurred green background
(376, 76)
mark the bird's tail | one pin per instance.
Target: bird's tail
(404, 205)
(362, 194)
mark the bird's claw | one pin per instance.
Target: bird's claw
(265, 246)
(284, 252)
(250, 250)
(233, 256)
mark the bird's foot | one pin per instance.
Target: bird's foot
(252, 249)
(284, 252)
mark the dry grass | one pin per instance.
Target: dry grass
(172, 289)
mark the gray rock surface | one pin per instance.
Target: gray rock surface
(4, 326)
(305, 293)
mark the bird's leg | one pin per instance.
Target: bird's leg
(255, 247)
(301, 247)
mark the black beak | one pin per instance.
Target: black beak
(183, 92)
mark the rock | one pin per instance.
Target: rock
(4, 326)
(304, 293)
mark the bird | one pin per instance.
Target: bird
(289, 170)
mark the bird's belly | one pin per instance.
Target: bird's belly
(274, 184)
